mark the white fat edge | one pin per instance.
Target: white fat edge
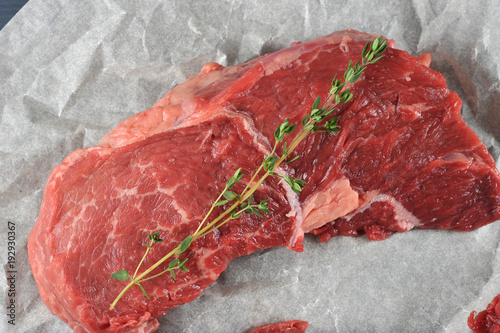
(417, 108)
(344, 44)
(276, 60)
(280, 60)
(285, 57)
(187, 104)
(265, 147)
(291, 196)
(295, 211)
(405, 219)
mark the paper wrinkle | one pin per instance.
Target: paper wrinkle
(78, 63)
(71, 70)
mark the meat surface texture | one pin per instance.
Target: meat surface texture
(292, 326)
(102, 202)
(486, 321)
(403, 159)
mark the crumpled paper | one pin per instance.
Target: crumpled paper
(71, 70)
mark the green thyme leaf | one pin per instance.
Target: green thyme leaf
(376, 59)
(334, 81)
(269, 163)
(309, 127)
(156, 239)
(296, 184)
(144, 291)
(283, 129)
(331, 126)
(234, 215)
(293, 159)
(365, 49)
(182, 267)
(256, 212)
(221, 203)
(250, 199)
(316, 103)
(375, 43)
(263, 206)
(230, 195)
(304, 121)
(173, 263)
(285, 152)
(329, 112)
(234, 179)
(122, 275)
(346, 96)
(185, 244)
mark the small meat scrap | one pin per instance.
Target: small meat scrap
(292, 326)
(486, 321)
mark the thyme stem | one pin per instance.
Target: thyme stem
(142, 260)
(258, 170)
(210, 211)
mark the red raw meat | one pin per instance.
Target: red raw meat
(486, 321)
(292, 326)
(403, 159)
(100, 203)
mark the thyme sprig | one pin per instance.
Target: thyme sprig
(315, 121)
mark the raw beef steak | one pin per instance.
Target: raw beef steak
(403, 159)
(100, 203)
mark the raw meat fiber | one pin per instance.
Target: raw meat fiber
(403, 159)
(292, 326)
(486, 321)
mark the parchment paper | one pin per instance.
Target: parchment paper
(71, 70)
